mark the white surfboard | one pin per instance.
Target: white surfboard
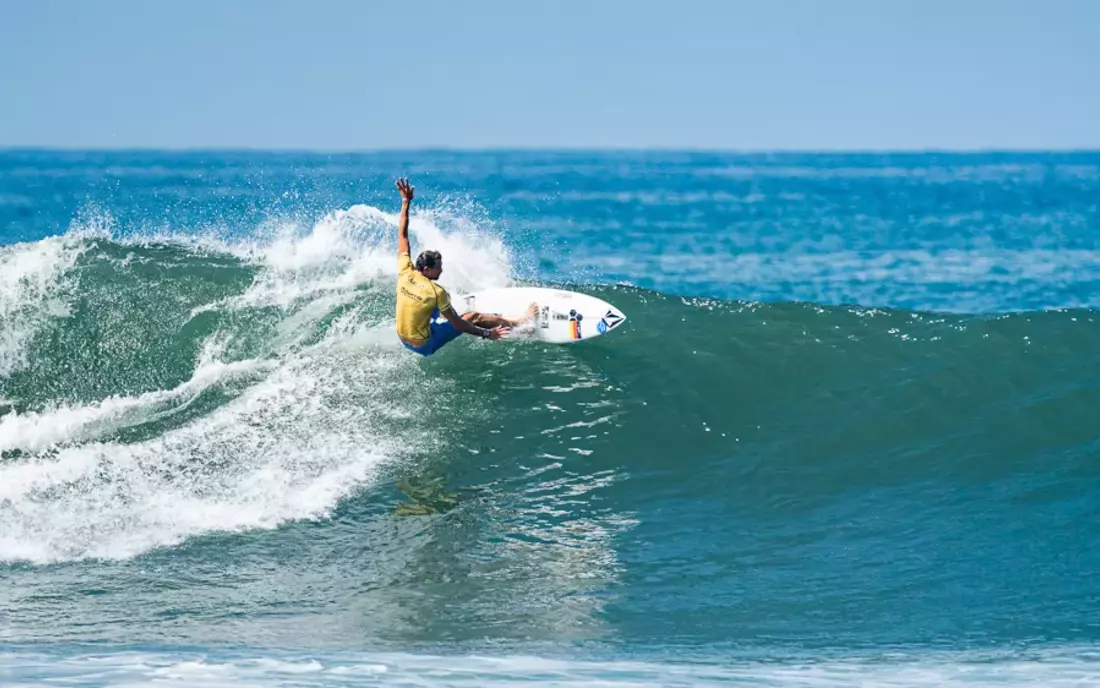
(564, 317)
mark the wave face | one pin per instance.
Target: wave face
(856, 417)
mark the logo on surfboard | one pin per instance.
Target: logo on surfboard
(609, 321)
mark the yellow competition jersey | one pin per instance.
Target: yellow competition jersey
(417, 297)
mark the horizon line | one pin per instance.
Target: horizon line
(307, 150)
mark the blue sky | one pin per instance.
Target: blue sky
(361, 74)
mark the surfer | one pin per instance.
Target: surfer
(420, 301)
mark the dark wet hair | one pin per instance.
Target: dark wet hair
(427, 260)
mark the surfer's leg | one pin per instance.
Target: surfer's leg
(488, 321)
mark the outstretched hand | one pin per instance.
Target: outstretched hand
(497, 333)
(405, 188)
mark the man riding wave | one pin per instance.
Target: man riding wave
(421, 301)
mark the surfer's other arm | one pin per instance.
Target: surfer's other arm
(406, 190)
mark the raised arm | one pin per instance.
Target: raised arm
(403, 220)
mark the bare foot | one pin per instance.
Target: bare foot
(531, 314)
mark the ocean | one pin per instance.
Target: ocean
(848, 435)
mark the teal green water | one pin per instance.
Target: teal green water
(862, 450)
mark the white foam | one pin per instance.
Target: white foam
(312, 422)
(288, 448)
(37, 431)
(350, 248)
(32, 292)
(209, 670)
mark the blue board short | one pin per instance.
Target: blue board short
(441, 333)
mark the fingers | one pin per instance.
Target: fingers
(405, 187)
(500, 332)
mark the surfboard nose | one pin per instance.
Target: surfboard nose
(613, 318)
